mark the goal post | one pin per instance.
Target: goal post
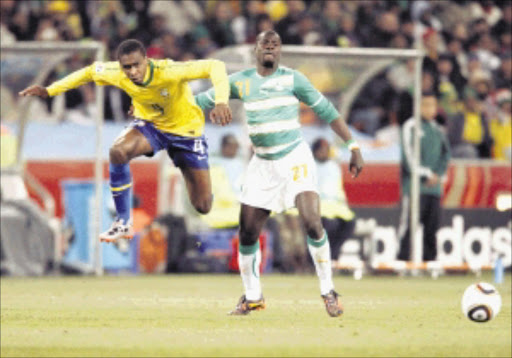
(360, 66)
(46, 56)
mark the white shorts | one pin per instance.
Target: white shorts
(274, 184)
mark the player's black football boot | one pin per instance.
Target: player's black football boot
(332, 304)
(245, 306)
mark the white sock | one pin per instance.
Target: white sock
(320, 251)
(249, 259)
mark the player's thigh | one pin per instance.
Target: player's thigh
(198, 183)
(132, 143)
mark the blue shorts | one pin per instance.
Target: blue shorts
(185, 152)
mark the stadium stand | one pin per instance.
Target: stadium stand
(462, 39)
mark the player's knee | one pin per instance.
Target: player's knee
(118, 155)
(314, 228)
(248, 235)
(203, 206)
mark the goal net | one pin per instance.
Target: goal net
(26, 63)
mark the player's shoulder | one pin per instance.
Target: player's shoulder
(283, 70)
(298, 77)
(168, 63)
(437, 127)
(408, 124)
(107, 67)
(163, 63)
(248, 73)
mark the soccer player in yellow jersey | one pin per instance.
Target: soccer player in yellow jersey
(166, 117)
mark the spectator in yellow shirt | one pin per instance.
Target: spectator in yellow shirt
(501, 128)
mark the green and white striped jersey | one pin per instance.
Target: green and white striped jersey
(272, 107)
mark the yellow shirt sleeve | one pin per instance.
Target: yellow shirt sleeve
(71, 81)
(191, 70)
(95, 72)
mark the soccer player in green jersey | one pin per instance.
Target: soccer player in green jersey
(282, 172)
(166, 118)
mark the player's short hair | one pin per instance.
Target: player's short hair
(267, 32)
(128, 46)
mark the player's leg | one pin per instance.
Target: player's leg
(403, 230)
(190, 154)
(338, 231)
(129, 144)
(430, 220)
(199, 188)
(308, 204)
(252, 221)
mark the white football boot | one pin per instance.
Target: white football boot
(118, 230)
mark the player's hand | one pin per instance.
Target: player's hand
(34, 90)
(356, 163)
(221, 114)
(433, 180)
(130, 111)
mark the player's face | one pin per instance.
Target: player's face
(429, 107)
(268, 50)
(134, 66)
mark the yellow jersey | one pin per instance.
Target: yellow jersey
(501, 132)
(164, 98)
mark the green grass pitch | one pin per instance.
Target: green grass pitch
(185, 315)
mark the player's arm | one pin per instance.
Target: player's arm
(407, 144)
(206, 99)
(339, 126)
(71, 81)
(216, 71)
(324, 109)
(442, 164)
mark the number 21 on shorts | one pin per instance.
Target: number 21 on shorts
(300, 171)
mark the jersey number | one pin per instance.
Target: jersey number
(240, 85)
(198, 146)
(300, 170)
(158, 108)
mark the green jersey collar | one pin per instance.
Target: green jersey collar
(150, 78)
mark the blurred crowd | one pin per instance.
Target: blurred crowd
(468, 61)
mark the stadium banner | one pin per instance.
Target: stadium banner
(472, 237)
(78, 201)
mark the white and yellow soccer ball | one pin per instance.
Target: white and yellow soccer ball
(481, 302)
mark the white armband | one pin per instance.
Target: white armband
(352, 145)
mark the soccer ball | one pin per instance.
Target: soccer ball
(481, 302)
